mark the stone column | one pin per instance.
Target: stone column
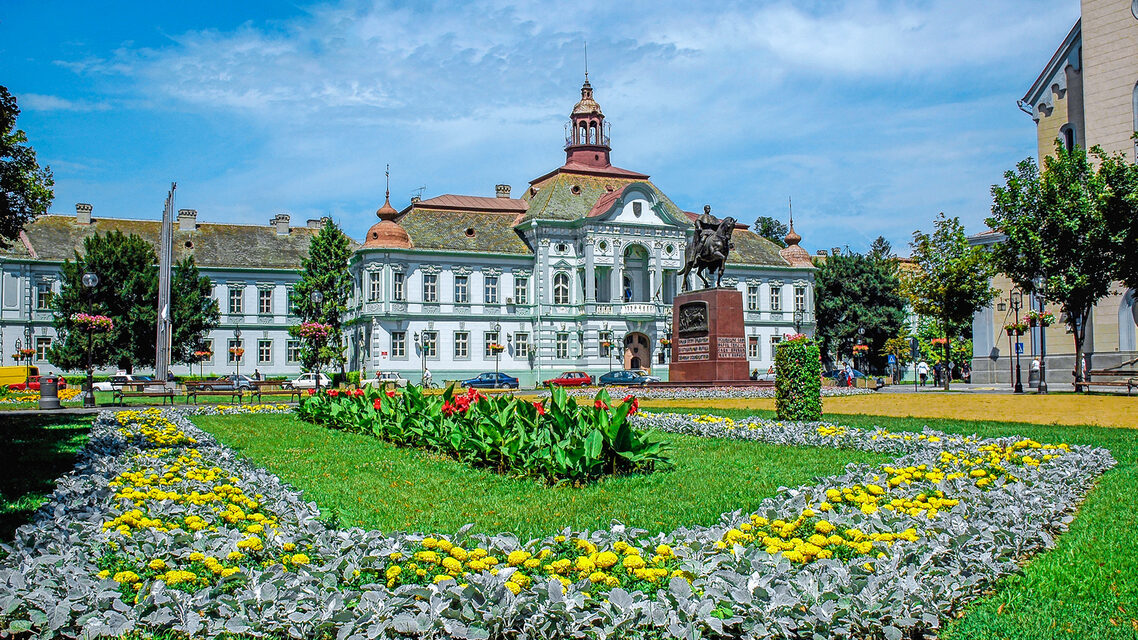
(658, 273)
(617, 280)
(590, 273)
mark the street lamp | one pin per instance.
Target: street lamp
(90, 280)
(422, 359)
(1042, 388)
(1017, 304)
(238, 353)
(29, 331)
(497, 352)
(317, 298)
(798, 314)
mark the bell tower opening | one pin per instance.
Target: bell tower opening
(587, 133)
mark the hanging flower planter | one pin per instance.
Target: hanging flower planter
(665, 342)
(93, 323)
(861, 349)
(1038, 319)
(494, 347)
(202, 355)
(314, 330)
(237, 351)
(1015, 329)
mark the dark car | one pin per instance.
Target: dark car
(625, 378)
(491, 380)
(231, 383)
(570, 379)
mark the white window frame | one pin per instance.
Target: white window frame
(231, 343)
(521, 289)
(776, 298)
(398, 287)
(398, 344)
(44, 295)
(236, 301)
(561, 288)
(430, 287)
(521, 344)
(753, 351)
(461, 345)
(374, 286)
(264, 351)
(263, 296)
(800, 298)
(775, 340)
(752, 297)
(490, 289)
(292, 351)
(561, 346)
(42, 344)
(430, 344)
(488, 338)
(602, 337)
(461, 289)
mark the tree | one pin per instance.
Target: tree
(326, 271)
(127, 292)
(854, 292)
(193, 311)
(771, 229)
(881, 249)
(25, 188)
(1060, 231)
(951, 281)
(1121, 210)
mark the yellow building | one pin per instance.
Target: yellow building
(1086, 95)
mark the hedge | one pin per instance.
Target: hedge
(798, 383)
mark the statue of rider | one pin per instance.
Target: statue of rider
(706, 227)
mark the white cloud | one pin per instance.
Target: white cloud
(40, 102)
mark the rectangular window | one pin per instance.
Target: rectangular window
(374, 285)
(521, 290)
(800, 298)
(397, 281)
(430, 287)
(430, 344)
(43, 296)
(398, 344)
(489, 338)
(461, 289)
(521, 345)
(290, 295)
(292, 354)
(606, 337)
(236, 300)
(43, 343)
(234, 344)
(752, 297)
(774, 344)
(753, 347)
(264, 351)
(562, 345)
(462, 344)
(491, 296)
(265, 301)
(207, 346)
(776, 298)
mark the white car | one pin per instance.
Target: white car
(384, 379)
(118, 381)
(769, 376)
(308, 381)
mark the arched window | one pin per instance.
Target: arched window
(1067, 133)
(561, 288)
(584, 136)
(593, 133)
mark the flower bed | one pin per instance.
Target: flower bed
(33, 396)
(702, 393)
(161, 528)
(556, 440)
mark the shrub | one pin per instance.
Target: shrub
(798, 384)
(555, 440)
(354, 378)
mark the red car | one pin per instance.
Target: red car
(570, 379)
(33, 383)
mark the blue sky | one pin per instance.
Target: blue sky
(872, 115)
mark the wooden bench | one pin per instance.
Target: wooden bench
(206, 388)
(275, 388)
(139, 389)
(1130, 380)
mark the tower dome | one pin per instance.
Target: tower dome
(387, 233)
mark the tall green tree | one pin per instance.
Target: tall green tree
(771, 229)
(1120, 207)
(951, 281)
(853, 292)
(881, 249)
(193, 311)
(1062, 237)
(127, 292)
(25, 188)
(326, 271)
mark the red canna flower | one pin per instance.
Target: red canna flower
(390, 393)
(334, 392)
(449, 409)
(600, 404)
(377, 404)
(635, 404)
(312, 392)
(540, 408)
(358, 392)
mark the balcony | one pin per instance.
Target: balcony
(639, 310)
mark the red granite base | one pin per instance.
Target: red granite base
(708, 342)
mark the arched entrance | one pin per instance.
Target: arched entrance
(635, 285)
(637, 351)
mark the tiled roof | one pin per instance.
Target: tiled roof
(567, 196)
(474, 203)
(449, 230)
(57, 238)
(753, 249)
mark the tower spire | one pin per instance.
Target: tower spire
(792, 239)
(387, 212)
(387, 191)
(586, 61)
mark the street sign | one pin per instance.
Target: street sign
(892, 359)
(1019, 348)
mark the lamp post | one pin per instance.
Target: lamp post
(1042, 388)
(317, 298)
(798, 315)
(497, 352)
(422, 359)
(29, 331)
(1017, 304)
(19, 347)
(90, 280)
(238, 353)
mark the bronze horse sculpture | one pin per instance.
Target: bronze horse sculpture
(708, 250)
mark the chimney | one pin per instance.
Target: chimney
(187, 219)
(821, 252)
(313, 223)
(502, 190)
(415, 199)
(83, 213)
(280, 221)
(835, 251)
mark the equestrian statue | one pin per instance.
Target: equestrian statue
(708, 249)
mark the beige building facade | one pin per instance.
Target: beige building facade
(1086, 95)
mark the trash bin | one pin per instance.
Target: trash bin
(49, 392)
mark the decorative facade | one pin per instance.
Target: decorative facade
(578, 273)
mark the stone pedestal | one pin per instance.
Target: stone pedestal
(708, 343)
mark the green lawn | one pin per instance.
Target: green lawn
(34, 451)
(374, 484)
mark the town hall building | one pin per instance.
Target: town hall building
(577, 272)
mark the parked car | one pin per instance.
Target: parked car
(231, 383)
(570, 379)
(307, 381)
(385, 379)
(491, 380)
(626, 378)
(33, 383)
(769, 376)
(119, 380)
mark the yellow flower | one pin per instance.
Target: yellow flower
(823, 527)
(104, 574)
(633, 562)
(452, 565)
(288, 546)
(513, 587)
(126, 577)
(442, 577)
(517, 557)
(606, 559)
(597, 576)
(157, 564)
(301, 558)
(197, 556)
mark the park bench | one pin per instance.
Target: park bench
(1117, 378)
(275, 388)
(208, 388)
(120, 391)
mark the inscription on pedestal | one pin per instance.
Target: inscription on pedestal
(697, 348)
(731, 347)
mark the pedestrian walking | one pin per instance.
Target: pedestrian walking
(923, 372)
